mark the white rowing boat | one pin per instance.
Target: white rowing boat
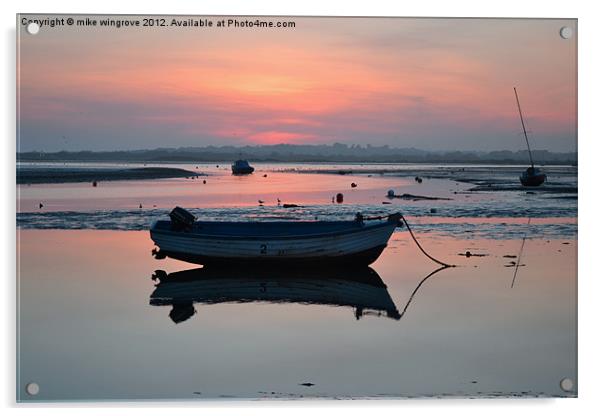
(305, 242)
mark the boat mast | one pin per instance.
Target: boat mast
(524, 129)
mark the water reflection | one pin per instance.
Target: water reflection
(427, 277)
(361, 289)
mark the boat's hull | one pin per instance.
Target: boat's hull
(362, 258)
(358, 246)
(242, 171)
(536, 179)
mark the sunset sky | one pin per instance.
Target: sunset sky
(434, 84)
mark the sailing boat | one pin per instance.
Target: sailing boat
(532, 176)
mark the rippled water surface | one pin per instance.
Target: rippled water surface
(116, 205)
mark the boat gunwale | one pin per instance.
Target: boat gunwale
(364, 228)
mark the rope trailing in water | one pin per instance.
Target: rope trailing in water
(420, 247)
(360, 217)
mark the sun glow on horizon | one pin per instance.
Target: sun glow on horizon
(403, 83)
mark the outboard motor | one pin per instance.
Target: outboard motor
(181, 312)
(181, 220)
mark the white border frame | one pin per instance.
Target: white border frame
(588, 149)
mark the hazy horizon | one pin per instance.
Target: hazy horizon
(350, 146)
(430, 84)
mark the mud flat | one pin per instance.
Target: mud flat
(550, 189)
(71, 175)
(561, 179)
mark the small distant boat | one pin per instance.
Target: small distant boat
(360, 288)
(242, 167)
(290, 242)
(532, 176)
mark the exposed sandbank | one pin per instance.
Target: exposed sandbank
(70, 175)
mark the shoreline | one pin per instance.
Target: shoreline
(479, 163)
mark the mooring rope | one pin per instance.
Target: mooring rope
(420, 247)
(360, 217)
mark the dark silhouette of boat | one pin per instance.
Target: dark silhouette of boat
(532, 176)
(242, 167)
(359, 288)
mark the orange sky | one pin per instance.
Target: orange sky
(437, 84)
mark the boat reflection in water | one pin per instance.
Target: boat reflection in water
(361, 289)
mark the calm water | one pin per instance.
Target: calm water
(95, 325)
(88, 329)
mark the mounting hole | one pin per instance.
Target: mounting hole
(566, 384)
(566, 32)
(32, 389)
(33, 28)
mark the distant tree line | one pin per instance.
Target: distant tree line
(304, 153)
